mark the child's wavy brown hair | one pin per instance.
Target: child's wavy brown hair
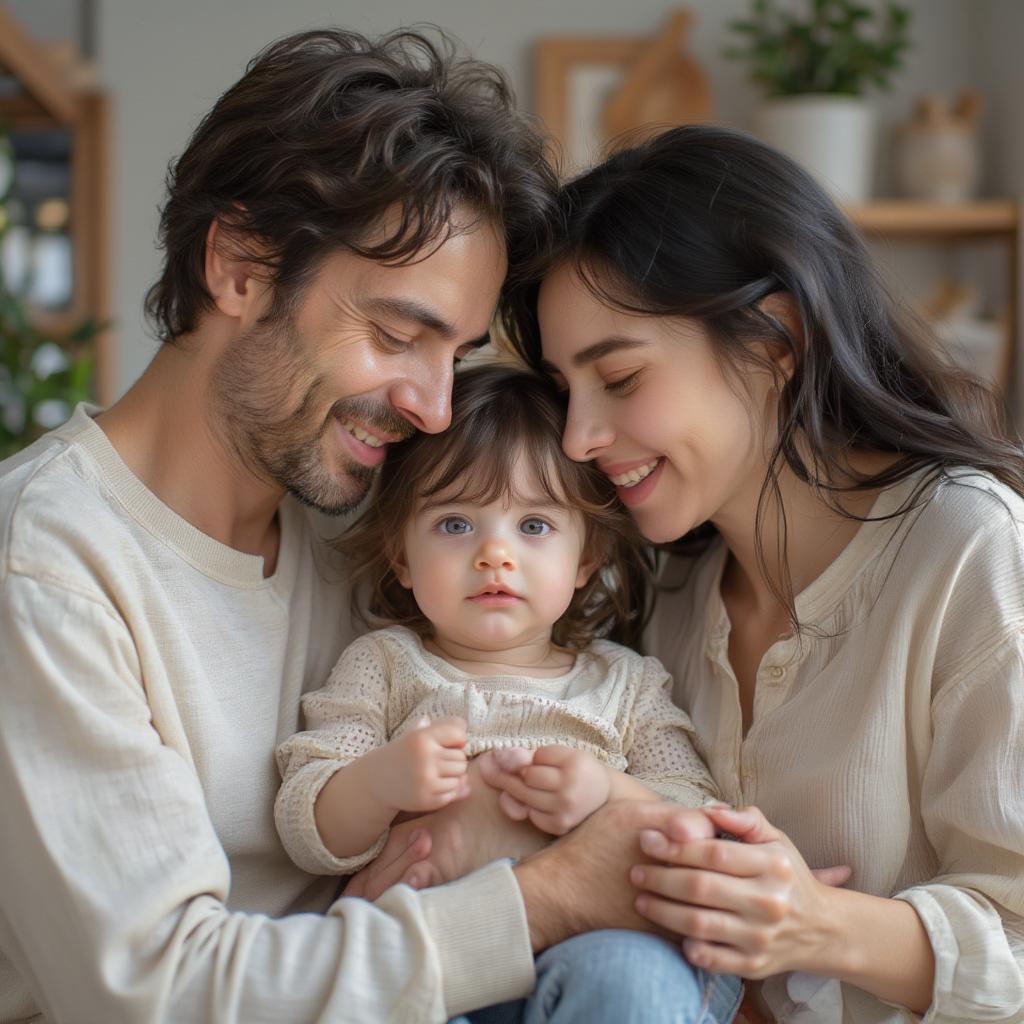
(500, 414)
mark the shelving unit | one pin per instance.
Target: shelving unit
(950, 223)
(37, 97)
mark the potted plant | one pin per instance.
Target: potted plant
(815, 63)
(43, 373)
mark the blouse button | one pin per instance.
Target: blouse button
(776, 673)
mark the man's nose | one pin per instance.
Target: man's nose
(426, 402)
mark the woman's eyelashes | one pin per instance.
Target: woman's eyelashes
(623, 385)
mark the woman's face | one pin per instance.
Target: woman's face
(680, 435)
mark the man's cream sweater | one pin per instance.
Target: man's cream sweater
(147, 674)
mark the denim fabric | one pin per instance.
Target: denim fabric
(618, 977)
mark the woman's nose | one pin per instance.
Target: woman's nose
(494, 553)
(585, 436)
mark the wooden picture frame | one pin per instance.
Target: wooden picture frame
(573, 77)
(590, 90)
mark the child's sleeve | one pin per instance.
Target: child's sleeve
(659, 743)
(344, 719)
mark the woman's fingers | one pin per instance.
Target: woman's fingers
(747, 824)
(450, 767)
(719, 855)
(754, 899)
(698, 922)
(712, 956)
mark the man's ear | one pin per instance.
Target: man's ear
(229, 278)
(781, 307)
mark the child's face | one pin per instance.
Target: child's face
(491, 577)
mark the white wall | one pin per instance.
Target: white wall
(167, 61)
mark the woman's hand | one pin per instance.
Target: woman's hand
(752, 908)
(447, 844)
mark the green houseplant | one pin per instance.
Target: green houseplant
(43, 373)
(815, 61)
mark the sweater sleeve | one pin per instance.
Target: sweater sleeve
(344, 720)
(115, 904)
(972, 803)
(659, 744)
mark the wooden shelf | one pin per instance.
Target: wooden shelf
(997, 219)
(903, 217)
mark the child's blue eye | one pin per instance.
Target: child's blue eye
(454, 526)
(534, 527)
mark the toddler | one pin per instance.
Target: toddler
(496, 565)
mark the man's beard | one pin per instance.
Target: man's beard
(255, 381)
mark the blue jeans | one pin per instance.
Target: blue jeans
(618, 977)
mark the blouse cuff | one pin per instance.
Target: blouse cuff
(977, 977)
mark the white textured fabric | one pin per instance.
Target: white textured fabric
(891, 737)
(613, 703)
(147, 674)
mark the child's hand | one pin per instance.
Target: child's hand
(424, 769)
(556, 788)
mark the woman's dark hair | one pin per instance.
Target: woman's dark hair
(500, 415)
(325, 132)
(704, 222)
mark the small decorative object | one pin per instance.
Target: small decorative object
(814, 66)
(589, 89)
(937, 149)
(973, 340)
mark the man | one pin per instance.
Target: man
(337, 234)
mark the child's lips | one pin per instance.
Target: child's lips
(494, 593)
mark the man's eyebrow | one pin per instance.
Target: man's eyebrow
(410, 309)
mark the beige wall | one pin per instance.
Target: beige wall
(166, 61)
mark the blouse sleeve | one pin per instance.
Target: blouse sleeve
(659, 744)
(344, 720)
(972, 803)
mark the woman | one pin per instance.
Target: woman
(843, 603)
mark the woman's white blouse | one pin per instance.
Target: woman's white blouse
(889, 736)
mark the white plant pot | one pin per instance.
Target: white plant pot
(833, 137)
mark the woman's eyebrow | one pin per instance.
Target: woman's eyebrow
(594, 352)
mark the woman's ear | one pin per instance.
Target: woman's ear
(781, 307)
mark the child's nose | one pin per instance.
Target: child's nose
(494, 553)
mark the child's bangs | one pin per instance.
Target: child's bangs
(478, 463)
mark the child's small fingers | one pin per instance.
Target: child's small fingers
(512, 759)
(449, 769)
(512, 808)
(449, 732)
(543, 777)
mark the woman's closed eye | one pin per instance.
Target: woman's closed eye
(623, 385)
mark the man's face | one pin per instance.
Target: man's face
(311, 401)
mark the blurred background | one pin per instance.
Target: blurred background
(910, 113)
